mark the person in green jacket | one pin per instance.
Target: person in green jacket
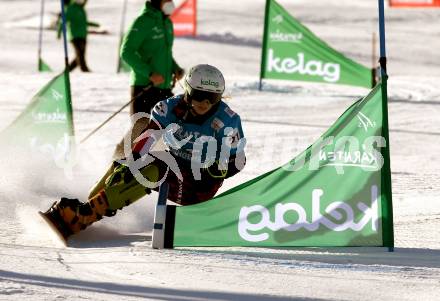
(147, 49)
(77, 24)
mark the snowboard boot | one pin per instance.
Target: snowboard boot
(76, 216)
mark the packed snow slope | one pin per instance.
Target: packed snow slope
(113, 259)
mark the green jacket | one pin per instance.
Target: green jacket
(76, 21)
(147, 48)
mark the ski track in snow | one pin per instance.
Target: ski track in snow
(113, 259)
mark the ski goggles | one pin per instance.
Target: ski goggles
(199, 96)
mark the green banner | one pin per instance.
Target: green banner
(47, 122)
(292, 52)
(336, 193)
(43, 67)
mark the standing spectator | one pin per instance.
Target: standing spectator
(76, 22)
(147, 49)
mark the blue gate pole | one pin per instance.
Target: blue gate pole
(387, 210)
(63, 18)
(66, 69)
(383, 55)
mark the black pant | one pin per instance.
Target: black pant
(79, 45)
(144, 101)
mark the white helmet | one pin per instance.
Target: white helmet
(204, 82)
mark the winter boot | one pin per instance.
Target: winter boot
(76, 216)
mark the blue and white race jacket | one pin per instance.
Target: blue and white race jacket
(219, 137)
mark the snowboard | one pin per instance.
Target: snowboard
(58, 234)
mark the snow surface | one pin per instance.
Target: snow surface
(113, 259)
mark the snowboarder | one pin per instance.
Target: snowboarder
(205, 145)
(77, 24)
(147, 49)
